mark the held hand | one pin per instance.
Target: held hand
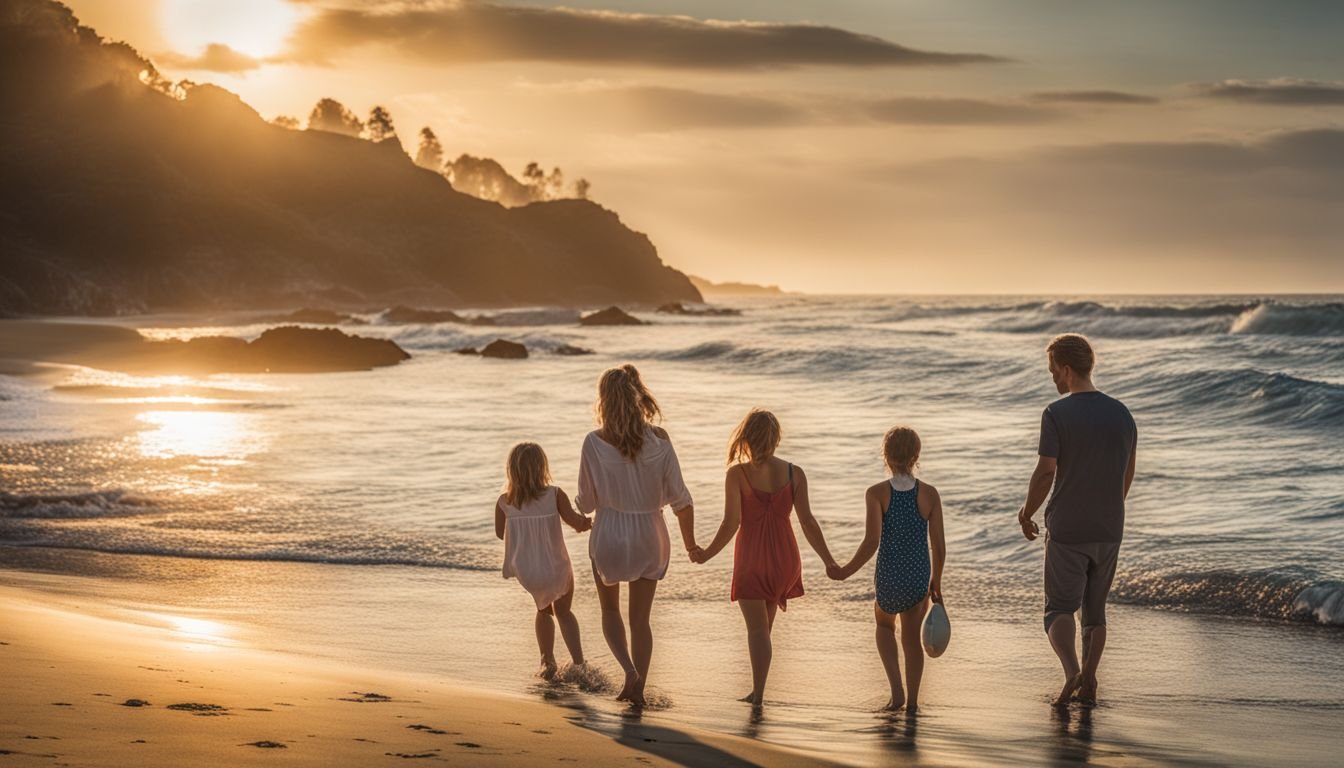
(586, 525)
(836, 572)
(1029, 528)
(697, 554)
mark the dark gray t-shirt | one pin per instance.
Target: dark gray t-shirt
(1092, 435)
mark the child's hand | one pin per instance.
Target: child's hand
(697, 555)
(936, 590)
(836, 572)
(586, 525)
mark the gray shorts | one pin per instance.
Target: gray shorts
(1078, 576)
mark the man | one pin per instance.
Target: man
(1087, 448)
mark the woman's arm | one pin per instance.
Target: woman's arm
(937, 544)
(732, 518)
(811, 530)
(872, 533)
(686, 521)
(499, 521)
(576, 521)
(676, 495)
(586, 500)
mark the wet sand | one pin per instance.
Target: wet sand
(137, 688)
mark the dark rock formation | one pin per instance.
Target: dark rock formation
(570, 349)
(509, 350)
(610, 316)
(124, 194)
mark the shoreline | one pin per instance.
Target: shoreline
(144, 688)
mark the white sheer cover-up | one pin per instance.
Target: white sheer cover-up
(534, 548)
(629, 539)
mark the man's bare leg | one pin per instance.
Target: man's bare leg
(1094, 642)
(1062, 638)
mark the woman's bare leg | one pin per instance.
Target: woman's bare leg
(613, 629)
(546, 642)
(891, 662)
(569, 626)
(913, 645)
(757, 615)
(641, 633)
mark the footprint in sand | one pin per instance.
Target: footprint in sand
(366, 698)
(413, 756)
(427, 729)
(135, 703)
(200, 710)
(265, 745)
(61, 704)
(468, 745)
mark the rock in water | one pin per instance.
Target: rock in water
(570, 349)
(291, 348)
(509, 350)
(610, 316)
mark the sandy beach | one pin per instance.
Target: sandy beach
(124, 687)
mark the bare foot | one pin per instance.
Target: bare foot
(911, 708)
(752, 698)
(631, 682)
(636, 698)
(1087, 690)
(1070, 685)
(548, 669)
(896, 703)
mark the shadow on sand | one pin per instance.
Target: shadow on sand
(629, 729)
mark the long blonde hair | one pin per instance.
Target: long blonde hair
(528, 473)
(625, 408)
(755, 439)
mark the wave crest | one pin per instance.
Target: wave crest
(74, 506)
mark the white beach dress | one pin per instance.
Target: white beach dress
(534, 548)
(629, 539)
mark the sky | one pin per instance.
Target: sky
(852, 146)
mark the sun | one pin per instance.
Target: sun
(257, 28)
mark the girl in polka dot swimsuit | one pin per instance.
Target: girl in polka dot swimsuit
(905, 522)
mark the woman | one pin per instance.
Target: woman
(627, 473)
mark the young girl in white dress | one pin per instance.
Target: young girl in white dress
(527, 518)
(627, 473)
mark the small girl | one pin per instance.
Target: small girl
(761, 490)
(527, 518)
(905, 520)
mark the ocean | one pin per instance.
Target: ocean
(351, 514)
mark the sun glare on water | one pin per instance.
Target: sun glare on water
(257, 28)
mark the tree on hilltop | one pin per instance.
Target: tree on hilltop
(332, 116)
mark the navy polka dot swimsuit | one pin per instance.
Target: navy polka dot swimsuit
(903, 569)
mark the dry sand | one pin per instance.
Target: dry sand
(136, 688)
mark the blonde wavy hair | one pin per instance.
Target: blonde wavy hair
(755, 439)
(625, 409)
(528, 474)
(900, 450)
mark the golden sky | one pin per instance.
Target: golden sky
(893, 146)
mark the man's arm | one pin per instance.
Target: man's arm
(1039, 487)
(1129, 472)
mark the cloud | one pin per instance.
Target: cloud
(1284, 91)
(1092, 97)
(472, 31)
(216, 57)
(956, 111)
(659, 109)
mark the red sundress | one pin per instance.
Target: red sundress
(766, 562)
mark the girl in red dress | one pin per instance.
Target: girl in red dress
(760, 490)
